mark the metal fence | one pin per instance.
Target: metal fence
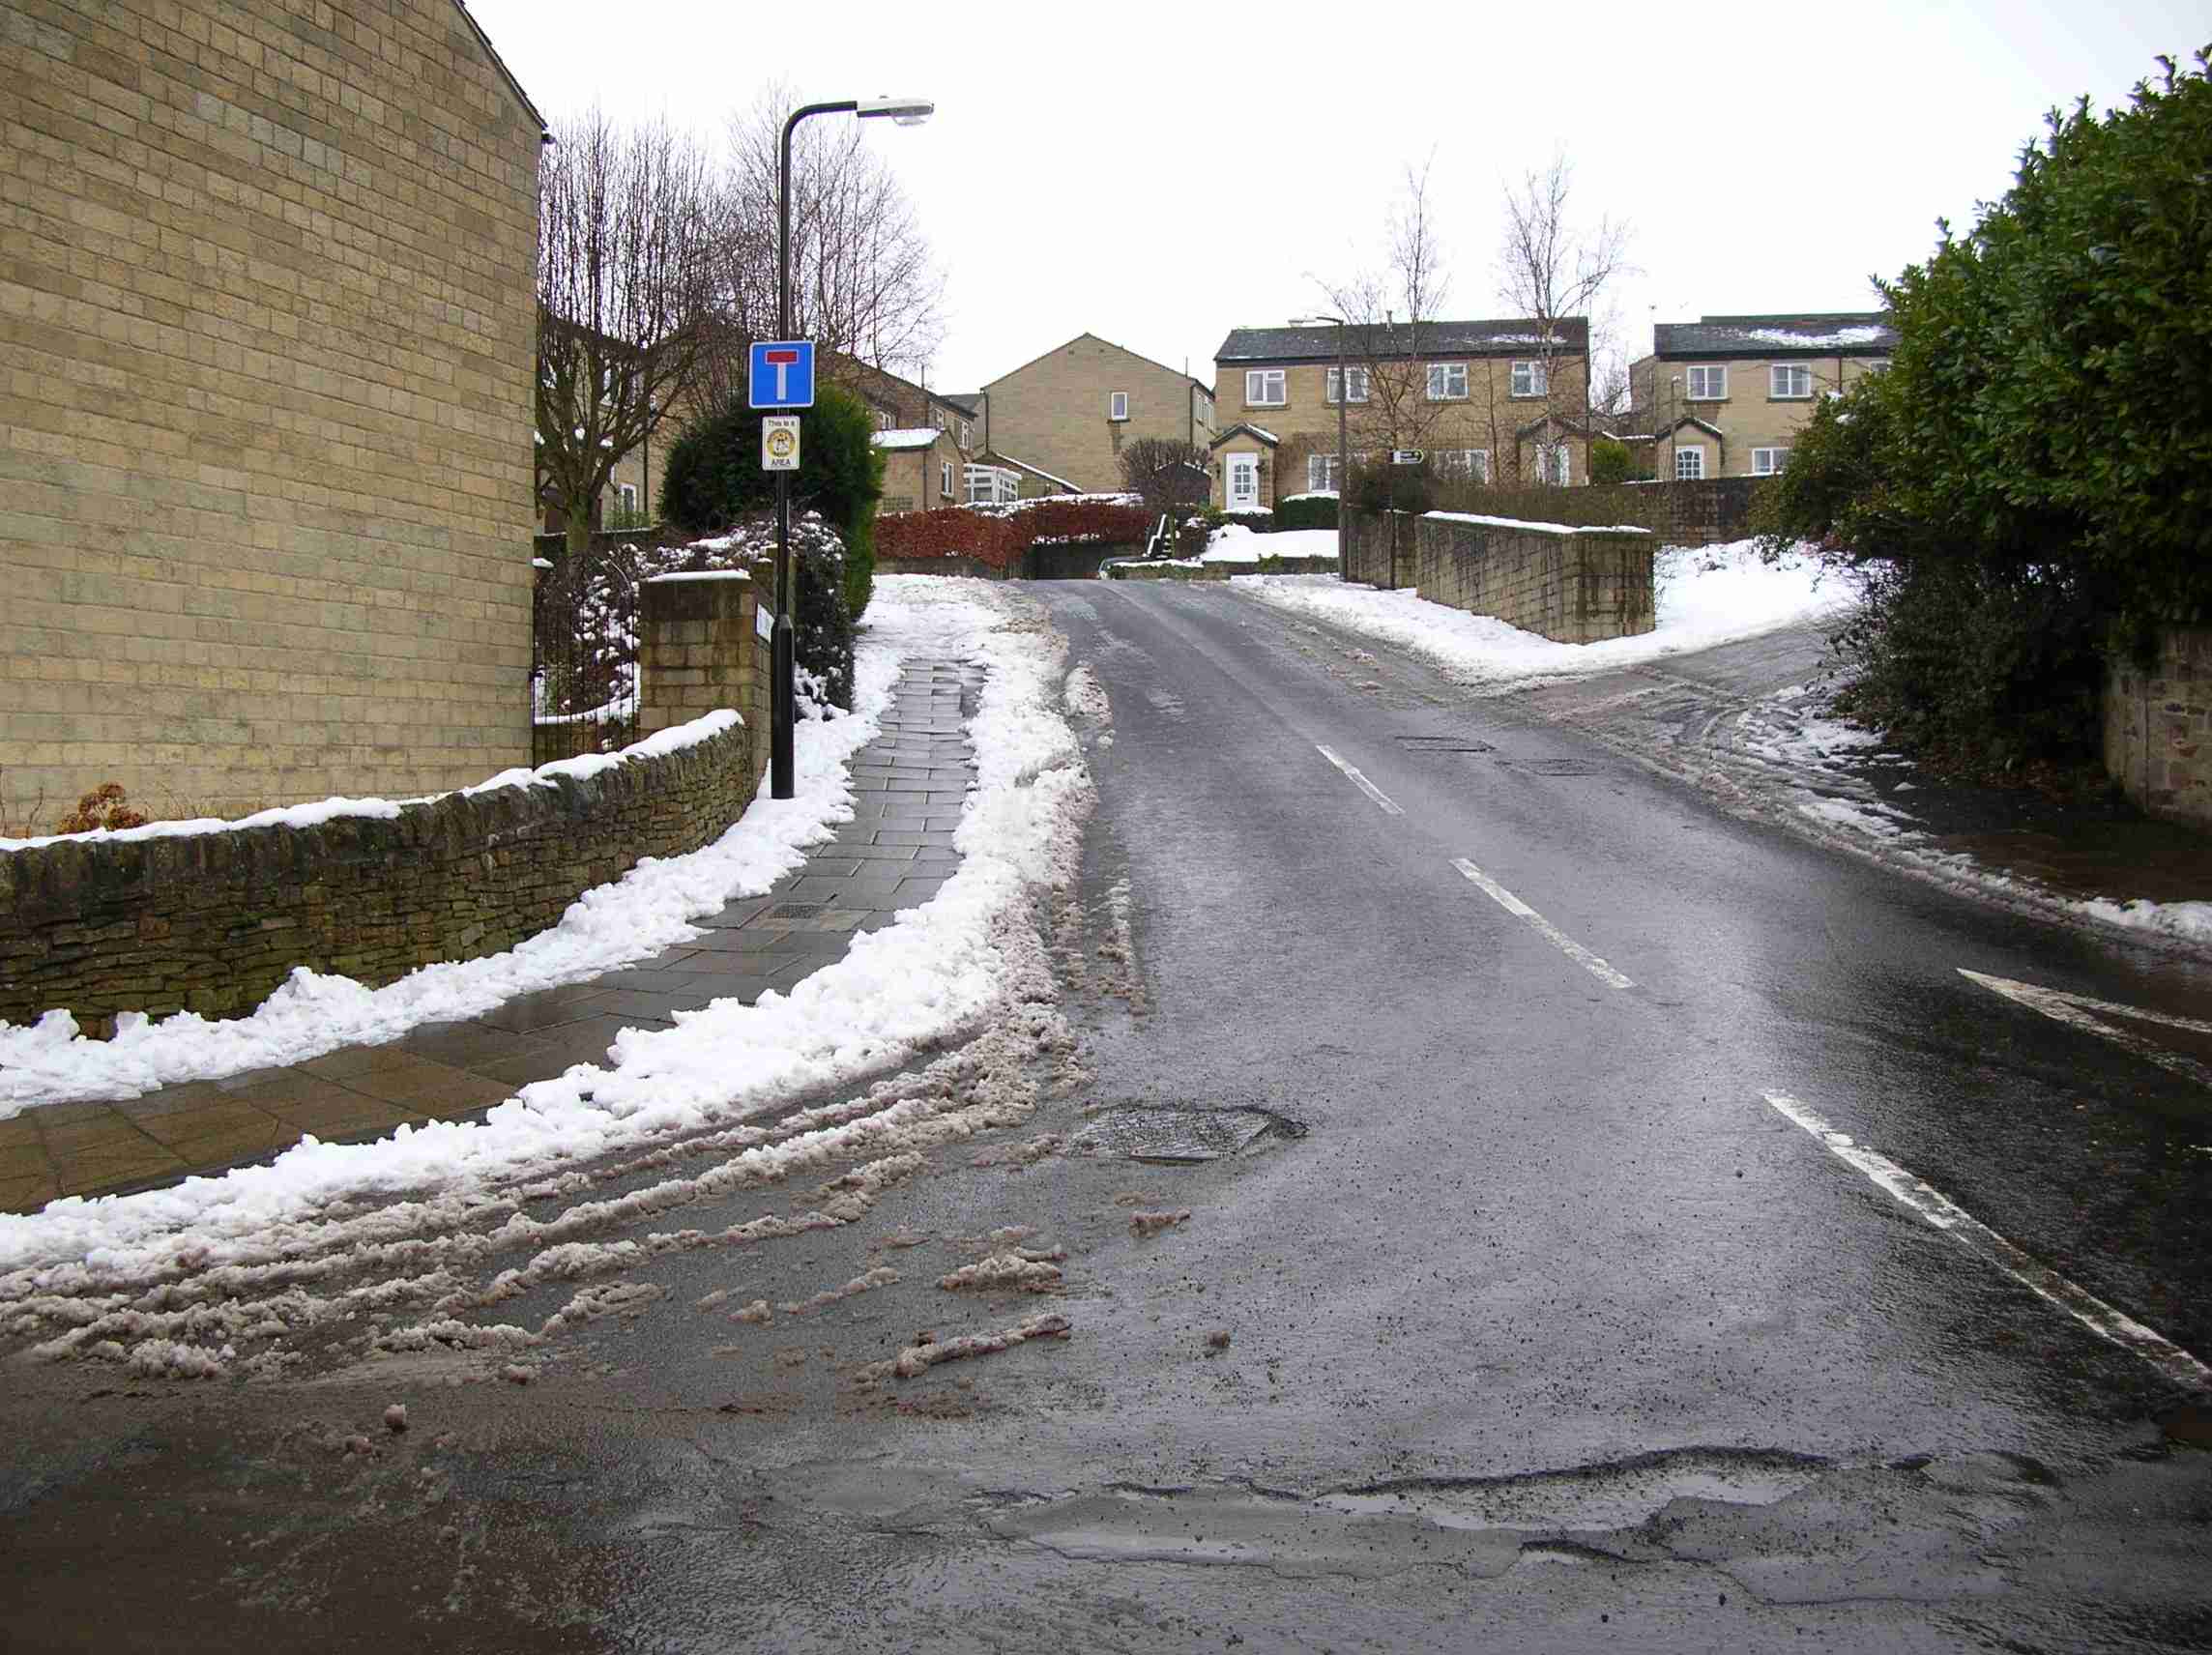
(584, 650)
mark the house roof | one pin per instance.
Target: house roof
(1858, 333)
(1109, 345)
(1250, 430)
(968, 402)
(1370, 341)
(924, 437)
(545, 133)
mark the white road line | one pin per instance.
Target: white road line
(1360, 782)
(2076, 1011)
(1559, 939)
(1929, 1205)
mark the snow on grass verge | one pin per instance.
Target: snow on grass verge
(937, 975)
(1705, 596)
(1234, 544)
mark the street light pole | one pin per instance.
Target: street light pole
(782, 690)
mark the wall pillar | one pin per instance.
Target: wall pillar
(698, 651)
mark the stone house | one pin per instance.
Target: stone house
(1725, 395)
(268, 320)
(1507, 400)
(923, 469)
(1069, 412)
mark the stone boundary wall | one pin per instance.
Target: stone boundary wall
(976, 569)
(1377, 547)
(2158, 727)
(1185, 569)
(1573, 586)
(213, 922)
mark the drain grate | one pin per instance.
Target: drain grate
(797, 911)
(1179, 1136)
(1443, 744)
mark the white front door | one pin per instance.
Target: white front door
(1243, 485)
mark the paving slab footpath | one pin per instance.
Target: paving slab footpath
(908, 786)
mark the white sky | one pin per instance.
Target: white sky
(1160, 174)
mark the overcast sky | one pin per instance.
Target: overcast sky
(1160, 174)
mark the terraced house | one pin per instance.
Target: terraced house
(1725, 395)
(1507, 400)
(267, 315)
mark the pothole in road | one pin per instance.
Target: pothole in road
(1555, 767)
(1177, 1136)
(1443, 744)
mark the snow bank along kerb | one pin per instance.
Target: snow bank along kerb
(935, 974)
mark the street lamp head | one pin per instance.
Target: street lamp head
(906, 112)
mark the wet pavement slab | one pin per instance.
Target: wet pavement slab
(895, 854)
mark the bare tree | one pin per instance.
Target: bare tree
(625, 230)
(864, 281)
(1385, 310)
(1550, 270)
(1165, 473)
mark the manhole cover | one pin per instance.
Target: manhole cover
(1555, 767)
(1443, 745)
(1180, 1135)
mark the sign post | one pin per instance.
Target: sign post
(781, 377)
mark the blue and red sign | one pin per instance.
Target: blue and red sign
(782, 374)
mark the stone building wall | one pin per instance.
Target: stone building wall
(1055, 413)
(267, 322)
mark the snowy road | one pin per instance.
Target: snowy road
(1435, 1185)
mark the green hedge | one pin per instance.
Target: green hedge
(714, 479)
(1309, 511)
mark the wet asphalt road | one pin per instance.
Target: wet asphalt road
(1524, 1320)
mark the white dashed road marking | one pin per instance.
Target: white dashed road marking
(2079, 1011)
(1552, 934)
(1360, 782)
(1938, 1210)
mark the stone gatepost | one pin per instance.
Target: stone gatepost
(698, 651)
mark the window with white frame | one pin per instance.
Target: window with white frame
(1465, 462)
(883, 421)
(1689, 464)
(1554, 464)
(1320, 472)
(1709, 384)
(966, 435)
(1790, 380)
(1263, 387)
(945, 484)
(1447, 382)
(1116, 405)
(1354, 377)
(1766, 462)
(1528, 379)
(627, 495)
